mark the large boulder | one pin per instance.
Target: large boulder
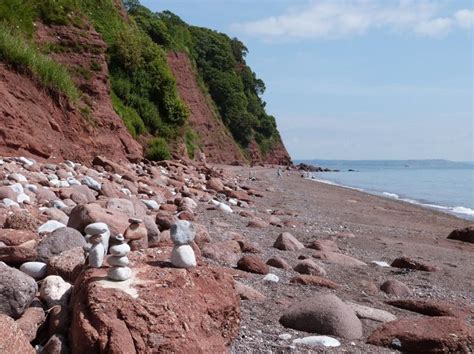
(58, 241)
(159, 309)
(466, 234)
(425, 335)
(12, 339)
(83, 215)
(323, 314)
(17, 290)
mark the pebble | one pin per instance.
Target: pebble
(119, 250)
(59, 204)
(224, 208)
(183, 257)
(381, 264)
(92, 183)
(17, 188)
(318, 341)
(151, 204)
(271, 278)
(55, 291)
(10, 203)
(182, 232)
(35, 270)
(72, 181)
(32, 188)
(18, 177)
(119, 273)
(50, 226)
(285, 336)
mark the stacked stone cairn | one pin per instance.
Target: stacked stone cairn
(118, 260)
(97, 237)
(182, 234)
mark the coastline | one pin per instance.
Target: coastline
(460, 212)
(383, 228)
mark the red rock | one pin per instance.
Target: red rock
(252, 264)
(425, 335)
(12, 339)
(307, 266)
(368, 286)
(278, 262)
(396, 288)
(314, 280)
(324, 245)
(31, 320)
(12, 237)
(290, 223)
(466, 234)
(405, 262)
(248, 247)
(432, 307)
(21, 220)
(226, 252)
(186, 215)
(215, 184)
(16, 255)
(83, 215)
(287, 242)
(240, 195)
(164, 220)
(169, 207)
(246, 213)
(248, 293)
(338, 258)
(257, 223)
(68, 264)
(202, 235)
(176, 310)
(58, 320)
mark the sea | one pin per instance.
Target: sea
(443, 185)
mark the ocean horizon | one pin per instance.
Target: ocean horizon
(443, 185)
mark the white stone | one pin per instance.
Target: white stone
(285, 336)
(96, 255)
(55, 291)
(271, 277)
(183, 257)
(59, 204)
(35, 270)
(118, 261)
(126, 191)
(318, 341)
(215, 202)
(99, 228)
(72, 181)
(22, 197)
(151, 204)
(32, 188)
(10, 203)
(119, 273)
(26, 161)
(92, 183)
(381, 263)
(50, 226)
(55, 183)
(69, 163)
(2, 162)
(18, 177)
(182, 232)
(372, 313)
(17, 188)
(189, 203)
(119, 250)
(224, 208)
(233, 202)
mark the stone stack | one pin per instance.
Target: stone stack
(118, 260)
(182, 234)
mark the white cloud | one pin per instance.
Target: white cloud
(325, 19)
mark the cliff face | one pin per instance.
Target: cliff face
(34, 123)
(214, 139)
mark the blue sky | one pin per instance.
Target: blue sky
(356, 79)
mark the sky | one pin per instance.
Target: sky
(356, 79)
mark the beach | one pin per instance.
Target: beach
(382, 229)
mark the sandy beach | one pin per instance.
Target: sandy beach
(366, 227)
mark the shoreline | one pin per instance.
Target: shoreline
(395, 197)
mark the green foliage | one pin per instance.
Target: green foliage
(23, 56)
(130, 117)
(191, 141)
(157, 150)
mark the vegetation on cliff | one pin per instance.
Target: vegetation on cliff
(143, 87)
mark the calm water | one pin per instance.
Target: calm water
(443, 185)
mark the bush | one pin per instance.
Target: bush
(191, 140)
(157, 150)
(23, 56)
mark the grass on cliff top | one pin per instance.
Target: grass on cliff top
(20, 54)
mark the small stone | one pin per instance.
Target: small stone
(409, 263)
(119, 273)
(118, 261)
(31, 320)
(307, 266)
(285, 336)
(271, 278)
(183, 257)
(324, 245)
(151, 204)
(182, 233)
(248, 293)
(119, 250)
(278, 262)
(15, 255)
(35, 270)
(68, 264)
(287, 242)
(465, 235)
(337, 258)
(224, 208)
(55, 291)
(92, 183)
(257, 223)
(371, 313)
(252, 264)
(396, 288)
(317, 341)
(381, 264)
(50, 226)
(313, 280)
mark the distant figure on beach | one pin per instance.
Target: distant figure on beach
(279, 173)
